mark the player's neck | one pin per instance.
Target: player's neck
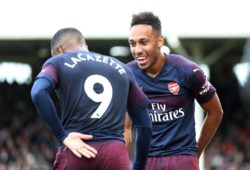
(156, 68)
(77, 48)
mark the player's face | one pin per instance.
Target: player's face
(145, 45)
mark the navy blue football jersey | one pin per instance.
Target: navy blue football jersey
(172, 95)
(94, 92)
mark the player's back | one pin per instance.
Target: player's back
(93, 93)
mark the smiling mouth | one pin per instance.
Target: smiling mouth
(141, 60)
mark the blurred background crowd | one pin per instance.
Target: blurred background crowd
(230, 148)
(25, 142)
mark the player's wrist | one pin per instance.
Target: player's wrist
(62, 137)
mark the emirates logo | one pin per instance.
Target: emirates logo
(173, 87)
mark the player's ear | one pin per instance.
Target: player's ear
(160, 41)
(59, 50)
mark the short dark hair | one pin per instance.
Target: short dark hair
(147, 18)
(59, 36)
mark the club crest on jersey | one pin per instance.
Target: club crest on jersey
(173, 87)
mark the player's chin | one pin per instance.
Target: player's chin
(142, 66)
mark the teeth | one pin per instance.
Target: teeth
(141, 58)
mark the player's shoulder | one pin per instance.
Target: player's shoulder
(180, 60)
(52, 60)
(56, 60)
(129, 71)
(181, 63)
(132, 65)
(113, 60)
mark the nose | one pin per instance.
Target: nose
(137, 50)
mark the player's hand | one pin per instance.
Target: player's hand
(74, 141)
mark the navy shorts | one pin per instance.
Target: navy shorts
(179, 162)
(112, 155)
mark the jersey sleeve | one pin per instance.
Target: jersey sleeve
(136, 98)
(201, 88)
(50, 73)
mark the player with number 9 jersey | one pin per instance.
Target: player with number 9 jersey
(94, 93)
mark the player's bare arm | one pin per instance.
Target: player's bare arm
(75, 142)
(211, 122)
(128, 131)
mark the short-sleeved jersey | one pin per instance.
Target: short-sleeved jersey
(172, 94)
(94, 92)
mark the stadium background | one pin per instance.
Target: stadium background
(211, 33)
